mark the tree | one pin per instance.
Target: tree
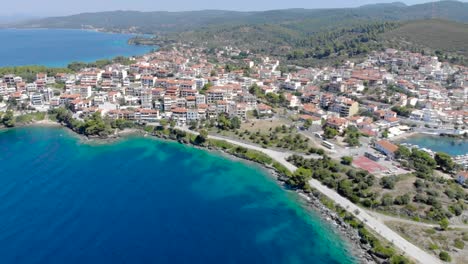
(256, 90)
(402, 152)
(346, 160)
(388, 182)
(223, 122)
(205, 88)
(402, 199)
(300, 178)
(201, 137)
(385, 133)
(235, 123)
(444, 161)
(402, 111)
(352, 136)
(387, 200)
(8, 119)
(330, 132)
(444, 223)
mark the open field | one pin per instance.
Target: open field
(434, 241)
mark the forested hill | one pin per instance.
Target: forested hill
(153, 22)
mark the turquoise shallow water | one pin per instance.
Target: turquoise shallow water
(59, 47)
(448, 145)
(142, 200)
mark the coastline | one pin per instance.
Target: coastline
(116, 46)
(349, 234)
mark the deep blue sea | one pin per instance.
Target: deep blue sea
(143, 200)
(451, 146)
(59, 47)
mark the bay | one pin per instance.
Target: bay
(59, 47)
(143, 200)
(451, 146)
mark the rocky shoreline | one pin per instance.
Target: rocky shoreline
(360, 250)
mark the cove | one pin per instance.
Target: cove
(59, 47)
(451, 146)
(143, 200)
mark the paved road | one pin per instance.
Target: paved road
(372, 222)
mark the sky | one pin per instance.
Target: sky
(68, 7)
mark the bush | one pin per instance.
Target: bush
(346, 160)
(402, 200)
(399, 259)
(388, 182)
(384, 252)
(445, 256)
(386, 200)
(458, 243)
(433, 247)
(444, 223)
(465, 236)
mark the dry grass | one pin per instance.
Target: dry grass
(264, 125)
(433, 241)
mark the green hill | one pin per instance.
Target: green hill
(440, 35)
(157, 22)
(300, 36)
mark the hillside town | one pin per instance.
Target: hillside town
(331, 128)
(388, 95)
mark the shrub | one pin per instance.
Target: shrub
(399, 259)
(346, 160)
(458, 243)
(433, 247)
(388, 182)
(445, 256)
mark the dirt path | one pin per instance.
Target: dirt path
(386, 218)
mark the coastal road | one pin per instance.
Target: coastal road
(378, 226)
(372, 222)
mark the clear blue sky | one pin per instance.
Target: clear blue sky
(66, 7)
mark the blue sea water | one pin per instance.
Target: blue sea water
(451, 146)
(59, 47)
(142, 200)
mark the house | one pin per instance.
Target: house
(461, 177)
(192, 115)
(264, 109)
(240, 110)
(37, 99)
(179, 115)
(293, 100)
(338, 123)
(67, 98)
(313, 119)
(83, 90)
(386, 147)
(345, 107)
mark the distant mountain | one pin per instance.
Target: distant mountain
(384, 5)
(152, 22)
(15, 18)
